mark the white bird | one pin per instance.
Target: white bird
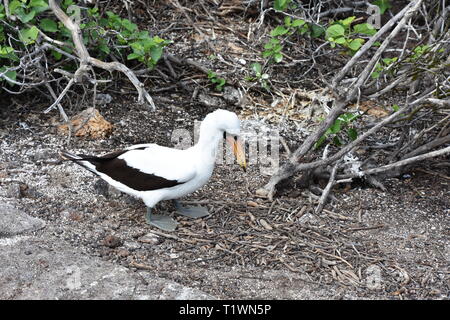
(153, 173)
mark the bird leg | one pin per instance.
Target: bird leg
(191, 212)
(160, 221)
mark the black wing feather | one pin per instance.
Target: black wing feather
(118, 170)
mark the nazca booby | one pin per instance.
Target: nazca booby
(154, 173)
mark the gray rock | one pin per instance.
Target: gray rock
(232, 95)
(14, 221)
(101, 187)
(210, 101)
(13, 191)
(151, 238)
(175, 291)
(42, 268)
(45, 154)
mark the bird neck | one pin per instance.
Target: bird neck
(208, 142)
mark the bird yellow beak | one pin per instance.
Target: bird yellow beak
(238, 150)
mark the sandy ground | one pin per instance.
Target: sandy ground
(368, 244)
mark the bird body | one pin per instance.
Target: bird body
(154, 173)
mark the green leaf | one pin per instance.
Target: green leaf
(38, 5)
(317, 31)
(29, 35)
(8, 53)
(211, 74)
(268, 45)
(337, 141)
(10, 74)
(104, 48)
(277, 57)
(137, 47)
(256, 67)
(266, 54)
(133, 55)
(389, 61)
(395, 107)
(383, 5)
(279, 31)
(356, 44)
(67, 3)
(336, 127)
(57, 55)
(340, 40)
(156, 53)
(346, 22)
(220, 83)
(320, 142)
(335, 31)
(25, 17)
(287, 21)
(143, 35)
(277, 48)
(281, 5)
(48, 25)
(365, 28)
(127, 24)
(375, 75)
(348, 117)
(298, 23)
(14, 5)
(352, 134)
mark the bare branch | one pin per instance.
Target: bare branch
(87, 60)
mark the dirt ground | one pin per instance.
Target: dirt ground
(367, 243)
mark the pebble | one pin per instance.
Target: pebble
(151, 239)
(232, 95)
(111, 241)
(123, 253)
(265, 224)
(131, 245)
(14, 221)
(14, 191)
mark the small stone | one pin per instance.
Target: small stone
(232, 95)
(265, 224)
(123, 253)
(41, 155)
(114, 193)
(31, 192)
(252, 204)
(75, 216)
(131, 245)
(14, 191)
(210, 101)
(89, 123)
(14, 221)
(102, 98)
(101, 187)
(111, 241)
(150, 238)
(263, 193)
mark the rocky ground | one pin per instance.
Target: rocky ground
(66, 235)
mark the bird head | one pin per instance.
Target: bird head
(229, 123)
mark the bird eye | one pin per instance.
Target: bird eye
(224, 135)
(235, 138)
